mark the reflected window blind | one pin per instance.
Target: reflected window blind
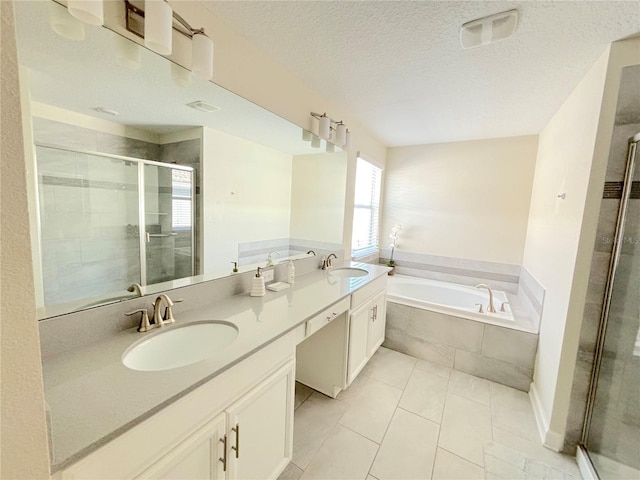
(366, 209)
(181, 199)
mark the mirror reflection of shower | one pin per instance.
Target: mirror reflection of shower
(110, 221)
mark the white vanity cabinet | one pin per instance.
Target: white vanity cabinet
(239, 425)
(260, 426)
(377, 323)
(367, 322)
(195, 458)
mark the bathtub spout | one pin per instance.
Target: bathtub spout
(490, 307)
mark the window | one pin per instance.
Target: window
(366, 209)
(181, 198)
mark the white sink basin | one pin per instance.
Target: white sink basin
(348, 272)
(180, 346)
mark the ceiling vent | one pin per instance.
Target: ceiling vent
(203, 106)
(486, 30)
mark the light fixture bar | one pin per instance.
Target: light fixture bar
(134, 22)
(331, 130)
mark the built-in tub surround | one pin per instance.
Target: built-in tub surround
(451, 299)
(256, 252)
(94, 398)
(485, 345)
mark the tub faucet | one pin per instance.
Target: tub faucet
(490, 307)
(158, 318)
(270, 260)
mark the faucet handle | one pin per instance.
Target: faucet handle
(144, 320)
(502, 309)
(480, 310)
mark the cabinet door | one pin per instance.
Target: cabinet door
(260, 428)
(199, 457)
(377, 323)
(358, 331)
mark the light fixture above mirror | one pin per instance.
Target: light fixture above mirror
(156, 23)
(325, 128)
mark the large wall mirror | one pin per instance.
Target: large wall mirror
(146, 175)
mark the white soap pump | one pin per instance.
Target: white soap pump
(257, 286)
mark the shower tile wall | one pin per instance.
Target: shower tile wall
(91, 247)
(614, 367)
(187, 153)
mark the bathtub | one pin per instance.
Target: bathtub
(439, 322)
(449, 298)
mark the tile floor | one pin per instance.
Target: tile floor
(405, 418)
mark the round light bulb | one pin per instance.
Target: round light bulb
(88, 11)
(64, 24)
(202, 56)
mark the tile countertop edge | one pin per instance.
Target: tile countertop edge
(314, 278)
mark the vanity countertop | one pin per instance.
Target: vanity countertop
(94, 398)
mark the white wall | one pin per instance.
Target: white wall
(246, 196)
(23, 435)
(317, 197)
(463, 200)
(572, 158)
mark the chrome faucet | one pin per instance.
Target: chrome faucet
(269, 260)
(326, 263)
(159, 319)
(490, 307)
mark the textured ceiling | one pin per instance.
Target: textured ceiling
(399, 67)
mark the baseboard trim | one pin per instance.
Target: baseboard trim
(550, 439)
(584, 464)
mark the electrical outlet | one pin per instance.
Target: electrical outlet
(268, 275)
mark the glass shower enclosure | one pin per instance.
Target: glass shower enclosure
(611, 434)
(108, 221)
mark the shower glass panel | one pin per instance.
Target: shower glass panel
(88, 207)
(168, 220)
(613, 437)
(91, 209)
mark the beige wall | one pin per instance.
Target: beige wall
(246, 196)
(317, 197)
(465, 199)
(572, 158)
(23, 436)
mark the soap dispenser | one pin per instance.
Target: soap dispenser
(257, 286)
(291, 272)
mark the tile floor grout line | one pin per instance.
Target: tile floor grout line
(391, 420)
(435, 455)
(460, 457)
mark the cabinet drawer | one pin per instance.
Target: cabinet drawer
(327, 315)
(369, 290)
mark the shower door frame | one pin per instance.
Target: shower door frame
(141, 200)
(611, 275)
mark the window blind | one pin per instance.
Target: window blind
(366, 209)
(181, 199)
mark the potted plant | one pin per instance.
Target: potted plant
(394, 243)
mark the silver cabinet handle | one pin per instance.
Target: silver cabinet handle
(237, 447)
(223, 458)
